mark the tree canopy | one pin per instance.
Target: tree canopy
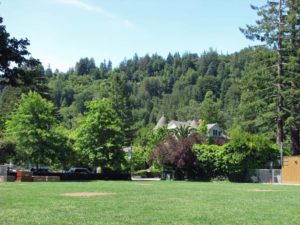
(13, 54)
(99, 138)
(32, 126)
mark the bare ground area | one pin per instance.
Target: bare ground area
(87, 194)
(262, 190)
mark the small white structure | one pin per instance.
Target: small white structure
(214, 130)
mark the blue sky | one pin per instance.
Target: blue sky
(63, 31)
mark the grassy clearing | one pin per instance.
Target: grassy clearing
(149, 203)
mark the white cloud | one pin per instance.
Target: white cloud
(81, 4)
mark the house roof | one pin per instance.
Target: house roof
(162, 121)
(173, 124)
(211, 125)
(191, 123)
(194, 124)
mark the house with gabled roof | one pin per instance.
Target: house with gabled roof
(213, 129)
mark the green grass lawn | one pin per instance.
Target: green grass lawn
(156, 202)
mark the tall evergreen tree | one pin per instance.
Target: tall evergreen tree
(119, 95)
(210, 109)
(9, 97)
(270, 30)
(257, 109)
(85, 66)
(293, 72)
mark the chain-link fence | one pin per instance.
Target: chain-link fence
(3, 173)
(264, 176)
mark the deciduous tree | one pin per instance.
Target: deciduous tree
(100, 138)
(31, 126)
(13, 54)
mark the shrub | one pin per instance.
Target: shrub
(139, 158)
(209, 159)
(177, 154)
(247, 151)
(244, 151)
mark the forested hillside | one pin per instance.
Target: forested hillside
(209, 86)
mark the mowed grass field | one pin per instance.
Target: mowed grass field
(145, 202)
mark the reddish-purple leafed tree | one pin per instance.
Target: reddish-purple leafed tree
(177, 153)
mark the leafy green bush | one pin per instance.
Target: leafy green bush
(209, 159)
(247, 151)
(139, 158)
(244, 151)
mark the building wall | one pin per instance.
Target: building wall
(217, 129)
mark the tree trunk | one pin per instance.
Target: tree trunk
(280, 120)
(294, 102)
(294, 127)
(295, 141)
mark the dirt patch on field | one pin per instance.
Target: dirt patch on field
(262, 190)
(87, 194)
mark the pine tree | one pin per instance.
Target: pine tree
(293, 72)
(270, 30)
(119, 96)
(257, 109)
(210, 109)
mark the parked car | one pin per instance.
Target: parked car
(40, 170)
(79, 170)
(11, 171)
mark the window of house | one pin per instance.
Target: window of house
(215, 132)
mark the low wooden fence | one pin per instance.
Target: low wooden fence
(291, 169)
(87, 177)
(45, 176)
